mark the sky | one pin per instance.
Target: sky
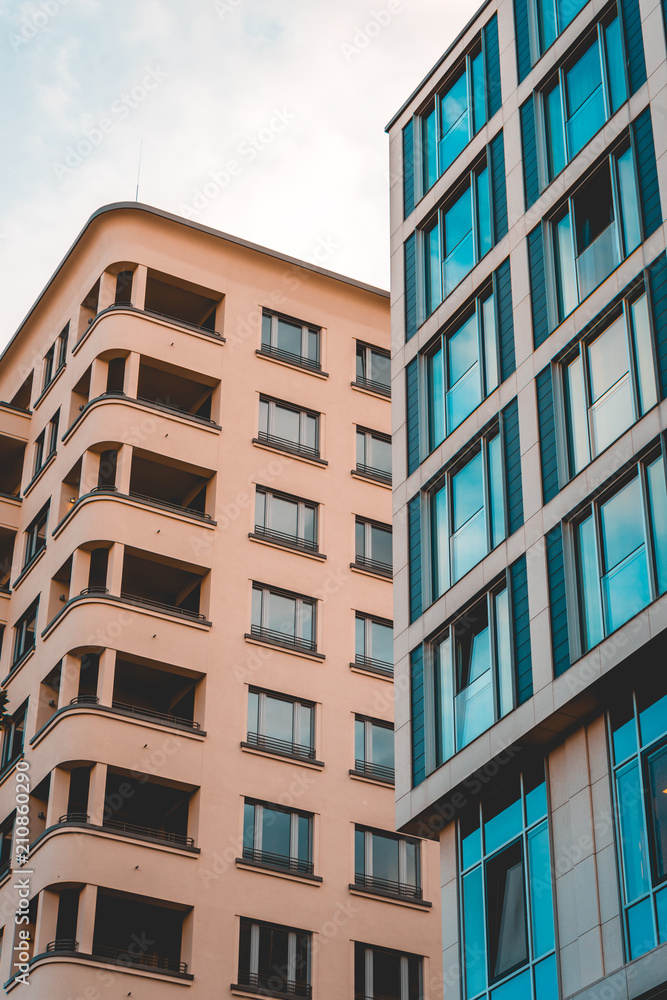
(262, 118)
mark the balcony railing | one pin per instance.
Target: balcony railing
(74, 817)
(171, 609)
(272, 745)
(369, 383)
(290, 358)
(129, 958)
(278, 861)
(372, 473)
(169, 408)
(375, 565)
(63, 944)
(158, 716)
(85, 699)
(180, 322)
(273, 984)
(284, 444)
(374, 770)
(190, 511)
(283, 638)
(283, 538)
(381, 666)
(149, 831)
(404, 889)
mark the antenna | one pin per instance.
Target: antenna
(141, 147)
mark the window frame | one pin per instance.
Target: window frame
(262, 741)
(9, 753)
(283, 444)
(362, 468)
(364, 352)
(297, 641)
(366, 766)
(251, 978)
(33, 536)
(403, 986)
(255, 854)
(22, 628)
(362, 659)
(367, 562)
(299, 541)
(271, 349)
(536, 49)
(368, 882)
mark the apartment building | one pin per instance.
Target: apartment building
(196, 606)
(529, 384)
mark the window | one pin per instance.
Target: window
(457, 237)
(48, 437)
(6, 835)
(286, 519)
(553, 17)
(373, 455)
(281, 724)
(12, 742)
(385, 862)
(470, 675)
(48, 366)
(374, 643)
(372, 546)
(291, 341)
(57, 353)
(373, 369)
(62, 347)
(638, 726)
(462, 368)
(53, 433)
(374, 748)
(283, 618)
(608, 383)
(467, 510)
(380, 974)
(275, 836)
(39, 453)
(288, 428)
(621, 551)
(274, 960)
(35, 536)
(504, 875)
(597, 228)
(24, 633)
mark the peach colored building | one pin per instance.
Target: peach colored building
(195, 591)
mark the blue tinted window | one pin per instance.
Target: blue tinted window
(585, 99)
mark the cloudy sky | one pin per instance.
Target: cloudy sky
(262, 118)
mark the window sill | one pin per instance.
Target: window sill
(38, 475)
(378, 393)
(262, 991)
(370, 478)
(371, 778)
(262, 866)
(382, 574)
(390, 897)
(285, 648)
(47, 388)
(27, 568)
(17, 665)
(320, 462)
(359, 668)
(285, 547)
(318, 373)
(315, 765)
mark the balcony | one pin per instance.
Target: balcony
(373, 565)
(149, 583)
(286, 748)
(146, 809)
(284, 444)
(181, 302)
(374, 883)
(12, 454)
(296, 865)
(273, 986)
(288, 640)
(155, 694)
(133, 933)
(374, 665)
(378, 771)
(175, 390)
(370, 472)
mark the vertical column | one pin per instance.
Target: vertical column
(132, 363)
(69, 679)
(47, 918)
(86, 922)
(98, 378)
(115, 568)
(107, 291)
(98, 784)
(58, 796)
(139, 279)
(106, 676)
(80, 571)
(90, 469)
(124, 468)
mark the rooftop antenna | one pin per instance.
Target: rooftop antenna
(141, 147)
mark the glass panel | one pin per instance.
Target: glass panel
(478, 92)
(380, 454)
(652, 712)
(385, 857)
(380, 365)
(553, 113)
(536, 802)
(248, 825)
(381, 545)
(490, 343)
(360, 539)
(608, 359)
(459, 246)
(286, 424)
(641, 335)
(382, 746)
(633, 834)
(657, 809)
(305, 716)
(256, 606)
(504, 654)
(567, 9)
(483, 212)
(503, 816)
(266, 330)
(497, 492)
(623, 729)
(359, 739)
(361, 448)
(253, 710)
(307, 616)
(454, 118)
(595, 234)
(361, 362)
(658, 503)
(589, 583)
(506, 905)
(577, 421)
(473, 931)
(468, 491)
(640, 928)
(469, 545)
(514, 989)
(615, 64)
(313, 345)
(310, 432)
(264, 416)
(281, 615)
(360, 637)
(308, 531)
(278, 715)
(474, 701)
(463, 398)
(432, 267)
(567, 279)
(411, 874)
(276, 832)
(539, 870)
(284, 515)
(386, 975)
(382, 642)
(629, 202)
(474, 710)
(625, 586)
(471, 839)
(303, 838)
(598, 261)
(612, 414)
(625, 590)
(440, 541)
(359, 852)
(436, 382)
(661, 908)
(260, 508)
(546, 979)
(548, 29)
(465, 391)
(585, 99)
(273, 952)
(289, 337)
(444, 701)
(429, 150)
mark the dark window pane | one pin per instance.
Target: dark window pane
(506, 902)
(657, 775)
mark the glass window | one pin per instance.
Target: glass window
(386, 862)
(374, 748)
(639, 742)
(24, 633)
(374, 643)
(35, 536)
(275, 836)
(280, 724)
(283, 618)
(372, 546)
(39, 453)
(274, 959)
(553, 17)
(470, 676)
(13, 737)
(286, 519)
(53, 433)
(288, 428)
(373, 455)
(48, 366)
(289, 340)
(506, 891)
(619, 551)
(380, 974)
(373, 369)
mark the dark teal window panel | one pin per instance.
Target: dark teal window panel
(634, 45)
(503, 292)
(410, 260)
(498, 187)
(522, 35)
(538, 286)
(512, 452)
(415, 557)
(658, 284)
(531, 180)
(523, 664)
(418, 721)
(648, 173)
(560, 640)
(492, 59)
(408, 169)
(412, 413)
(547, 424)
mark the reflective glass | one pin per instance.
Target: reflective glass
(658, 502)
(469, 545)
(281, 615)
(468, 490)
(585, 99)
(382, 642)
(436, 373)
(474, 707)
(440, 541)
(359, 739)
(303, 838)
(615, 64)
(248, 825)
(276, 832)
(380, 454)
(535, 791)
(652, 716)
(593, 208)
(607, 359)
(459, 248)
(429, 150)
(657, 808)
(622, 528)
(633, 833)
(411, 874)
(380, 368)
(305, 718)
(313, 345)
(257, 606)
(623, 730)
(253, 711)
(260, 508)
(289, 337)
(266, 330)
(360, 539)
(640, 928)
(284, 515)
(661, 908)
(471, 839)
(385, 857)
(308, 530)
(360, 636)
(553, 113)
(478, 92)
(625, 590)
(473, 931)
(463, 397)
(629, 202)
(539, 868)
(546, 979)
(278, 719)
(474, 710)
(490, 343)
(625, 586)
(432, 268)
(497, 492)
(455, 122)
(310, 431)
(577, 424)
(567, 10)
(567, 280)
(548, 29)
(590, 584)
(286, 423)
(465, 392)
(504, 654)
(443, 697)
(503, 816)
(506, 907)
(382, 744)
(306, 613)
(264, 416)
(612, 414)
(380, 545)
(514, 989)
(641, 333)
(359, 852)
(483, 212)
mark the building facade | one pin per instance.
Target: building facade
(529, 383)
(196, 785)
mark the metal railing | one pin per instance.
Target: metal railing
(275, 984)
(74, 817)
(273, 745)
(374, 770)
(293, 359)
(380, 665)
(190, 511)
(404, 889)
(183, 322)
(286, 539)
(149, 831)
(372, 473)
(63, 944)
(169, 408)
(171, 609)
(85, 699)
(160, 716)
(369, 383)
(151, 961)
(283, 638)
(377, 565)
(278, 860)
(286, 445)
